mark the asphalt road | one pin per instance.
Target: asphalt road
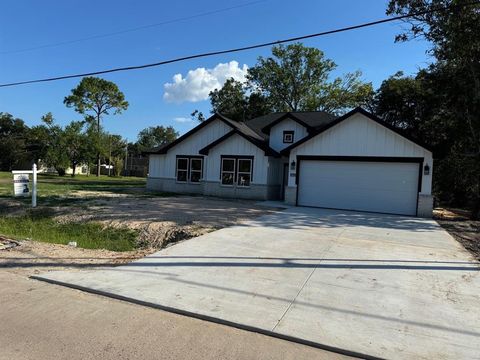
(43, 321)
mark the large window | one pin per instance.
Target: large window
(228, 171)
(182, 169)
(195, 170)
(244, 172)
(189, 169)
(236, 170)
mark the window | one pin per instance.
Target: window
(244, 172)
(195, 170)
(189, 169)
(236, 170)
(288, 137)
(182, 169)
(228, 171)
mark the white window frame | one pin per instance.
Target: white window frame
(196, 171)
(290, 134)
(228, 172)
(244, 172)
(178, 169)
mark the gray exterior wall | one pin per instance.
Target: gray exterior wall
(254, 191)
(291, 195)
(171, 185)
(425, 206)
(214, 188)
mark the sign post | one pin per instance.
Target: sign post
(21, 182)
(34, 187)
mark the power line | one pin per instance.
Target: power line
(234, 50)
(100, 36)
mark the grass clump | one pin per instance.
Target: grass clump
(39, 226)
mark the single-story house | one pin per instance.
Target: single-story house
(352, 162)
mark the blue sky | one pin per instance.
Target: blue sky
(31, 23)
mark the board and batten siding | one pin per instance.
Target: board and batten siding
(163, 166)
(361, 136)
(276, 133)
(238, 146)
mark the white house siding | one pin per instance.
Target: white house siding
(276, 133)
(162, 167)
(238, 146)
(360, 136)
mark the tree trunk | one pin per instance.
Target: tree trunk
(73, 168)
(98, 139)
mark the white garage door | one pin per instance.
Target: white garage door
(385, 187)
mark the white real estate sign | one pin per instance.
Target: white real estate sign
(21, 184)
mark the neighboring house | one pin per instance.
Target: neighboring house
(352, 162)
(80, 169)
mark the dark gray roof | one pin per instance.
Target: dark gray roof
(313, 119)
(252, 129)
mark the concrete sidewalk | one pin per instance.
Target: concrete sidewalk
(42, 321)
(386, 286)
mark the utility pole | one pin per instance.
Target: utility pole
(126, 158)
(110, 154)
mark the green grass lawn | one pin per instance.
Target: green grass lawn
(54, 190)
(54, 185)
(87, 235)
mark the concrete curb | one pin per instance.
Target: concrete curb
(212, 319)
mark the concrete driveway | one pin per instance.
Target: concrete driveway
(386, 286)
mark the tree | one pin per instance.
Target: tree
(230, 100)
(13, 136)
(154, 136)
(53, 138)
(452, 27)
(95, 98)
(198, 115)
(297, 78)
(233, 101)
(76, 144)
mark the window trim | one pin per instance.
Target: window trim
(236, 159)
(222, 159)
(189, 168)
(286, 133)
(196, 171)
(243, 172)
(177, 169)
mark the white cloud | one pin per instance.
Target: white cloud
(183, 119)
(199, 82)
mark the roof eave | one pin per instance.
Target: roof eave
(362, 111)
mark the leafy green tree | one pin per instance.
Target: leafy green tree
(154, 136)
(452, 27)
(197, 115)
(95, 98)
(233, 101)
(13, 137)
(76, 144)
(296, 78)
(55, 144)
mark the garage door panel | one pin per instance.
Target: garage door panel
(367, 186)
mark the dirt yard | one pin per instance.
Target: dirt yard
(162, 220)
(465, 231)
(159, 220)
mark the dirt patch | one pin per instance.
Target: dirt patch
(32, 257)
(160, 221)
(465, 231)
(163, 220)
